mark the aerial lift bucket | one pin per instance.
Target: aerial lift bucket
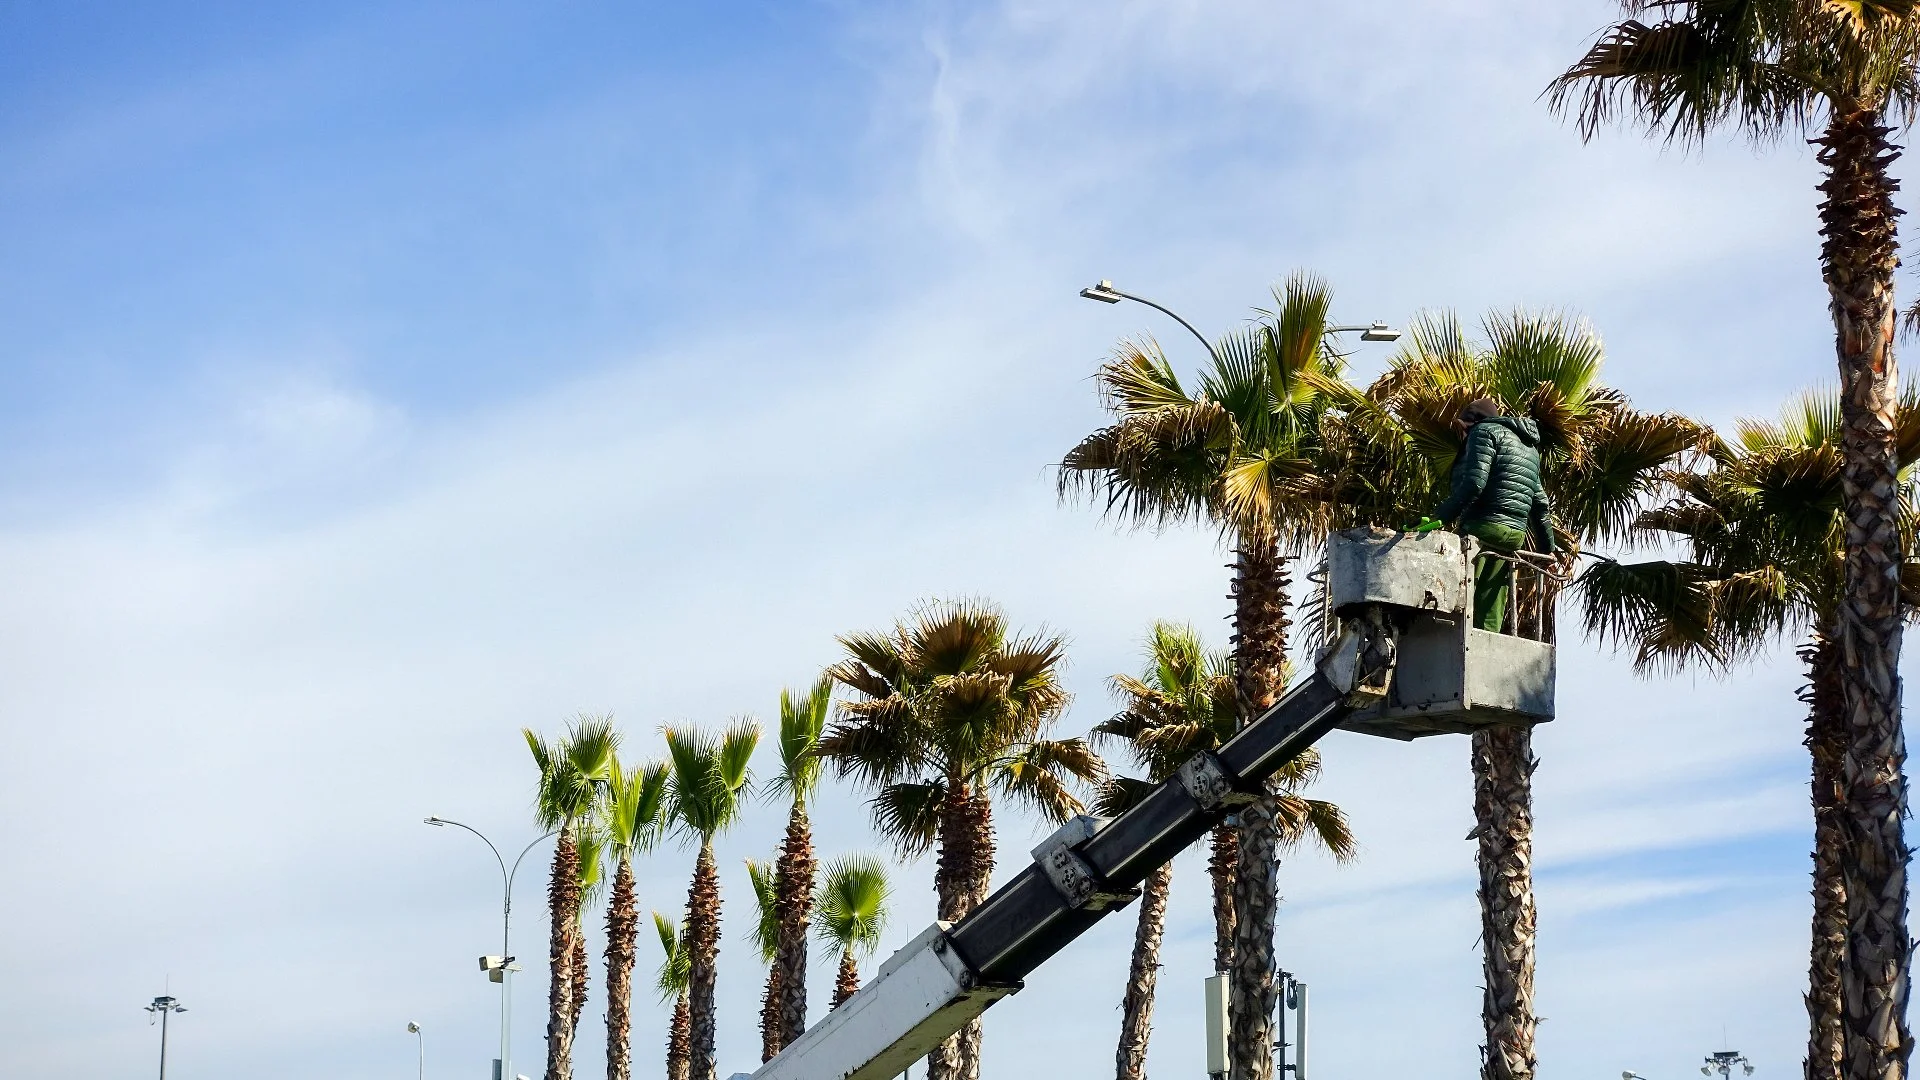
(1449, 677)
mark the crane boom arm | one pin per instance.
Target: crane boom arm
(951, 973)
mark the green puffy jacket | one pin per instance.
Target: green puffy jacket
(1496, 480)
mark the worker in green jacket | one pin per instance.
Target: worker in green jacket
(1497, 499)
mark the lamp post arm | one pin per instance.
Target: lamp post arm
(506, 907)
(1175, 316)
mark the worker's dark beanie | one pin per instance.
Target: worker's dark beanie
(1485, 406)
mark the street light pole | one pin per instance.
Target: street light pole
(1107, 294)
(164, 1006)
(420, 1042)
(502, 972)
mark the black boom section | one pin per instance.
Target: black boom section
(1027, 920)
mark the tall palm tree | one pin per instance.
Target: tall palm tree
(1243, 453)
(1763, 536)
(766, 945)
(1394, 446)
(1182, 703)
(593, 881)
(802, 720)
(1770, 68)
(672, 984)
(574, 771)
(710, 783)
(948, 709)
(635, 818)
(853, 914)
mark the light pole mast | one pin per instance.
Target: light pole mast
(163, 1006)
(500, 968)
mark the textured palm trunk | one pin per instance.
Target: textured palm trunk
(770, 1015)
(579, 980)
(679, 1039)
(1220, 867)
(1827, 745)
(563, 906)
(793, 885)
(1503, 765)
(1859, 253)
(1260, 588)
(623, 930)
(1136, 1009)
(847, 983)
(958, 885)
(703, 951)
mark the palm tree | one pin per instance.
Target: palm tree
(1763, 534)
(1394, 443)
(636, 803)
(1182, 703)
(672, 984)
(1770, 68)
(766, 944)
(1244, 454)
(710, 782)
(574, 770)
(802, 719)
(593, 849)
(853, 914)
(949, 708)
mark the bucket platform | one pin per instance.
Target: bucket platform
(1449, 678)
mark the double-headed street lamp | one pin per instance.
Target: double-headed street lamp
(164, 1006)
(1723, 1062)
(500, 968)
(1107, 294)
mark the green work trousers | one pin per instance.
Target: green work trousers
(1492, 577)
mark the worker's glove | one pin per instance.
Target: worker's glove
(1426, 525)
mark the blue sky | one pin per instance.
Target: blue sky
(383, 378)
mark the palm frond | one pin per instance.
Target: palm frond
(766, 897)
(851, 903)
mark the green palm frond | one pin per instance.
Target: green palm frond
(908, 814)
(574, 769)
(766, 896)
(676, 968)
(594, 848)
(1663, 610)
(803, 719)
(1300, 820)
(1042, 775)
(850, 904)
(710, 776)
(636, 808)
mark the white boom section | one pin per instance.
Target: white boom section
(922, 994)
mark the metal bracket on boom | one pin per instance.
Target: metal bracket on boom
(1071, 874)
(1208, 783)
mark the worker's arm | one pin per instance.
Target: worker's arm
(1470, 475)
(1540, 524)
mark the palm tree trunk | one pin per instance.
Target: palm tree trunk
(1220, 866)
(793, 886)
(770, 1015)
(1136, 1009)
(679, 1040)
(956, 884)
(1858, 256)
(703, 950)
(1259, 593)
(847, 983)
(623, 929)
(1503, 765)
(582, 965)
(563, 905)
(1827, 745)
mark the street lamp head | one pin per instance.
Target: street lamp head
(413, 1028)
(1103, 292)
(1380, 332)
(435, 821)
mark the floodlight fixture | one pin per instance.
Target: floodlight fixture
(1103, 292)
